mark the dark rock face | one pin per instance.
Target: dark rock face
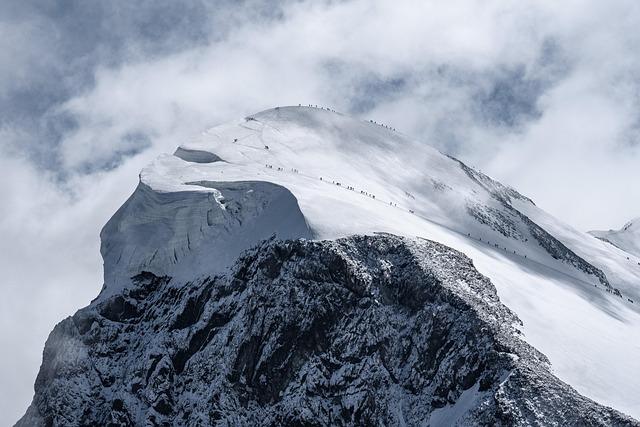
(360, 331)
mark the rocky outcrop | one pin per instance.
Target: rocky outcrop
(376, 330)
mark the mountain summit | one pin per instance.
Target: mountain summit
(299, 266)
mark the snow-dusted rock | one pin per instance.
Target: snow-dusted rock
(366, 330)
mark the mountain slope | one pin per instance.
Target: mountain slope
(364, 330)
(350, 176)
(627, 238)
(302, 172)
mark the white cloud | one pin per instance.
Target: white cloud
(50, 262)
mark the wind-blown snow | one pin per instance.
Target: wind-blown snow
(340, 176)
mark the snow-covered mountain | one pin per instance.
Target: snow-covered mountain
(627, 238)
(314, 174)
(364, 330)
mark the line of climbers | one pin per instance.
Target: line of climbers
(413, 212)
(315, 106)
(525, 256)
(334, 111)
(235, 140)
(495, 245)
(383, 125)
(629, 259)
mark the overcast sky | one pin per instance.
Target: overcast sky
(542, 95)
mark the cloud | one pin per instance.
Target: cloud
(542, 95)
(315, 53)
(50, 260)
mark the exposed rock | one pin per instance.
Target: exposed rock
(375, 330)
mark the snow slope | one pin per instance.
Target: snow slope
(627, 238)
(314, 173)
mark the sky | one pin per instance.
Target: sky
(541, 95)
